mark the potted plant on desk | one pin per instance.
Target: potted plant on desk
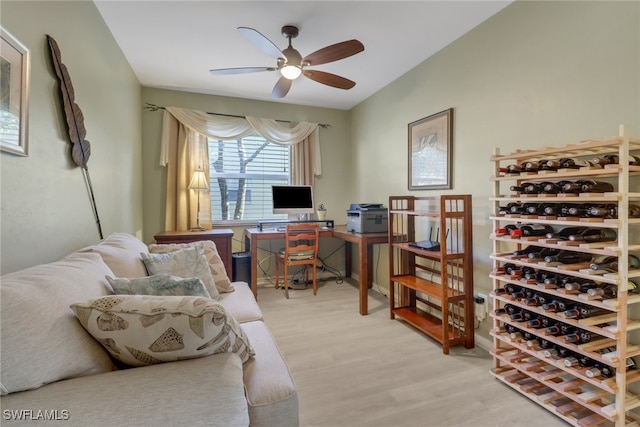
(322, 212)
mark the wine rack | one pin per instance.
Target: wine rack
(573, 393)
(432, 290)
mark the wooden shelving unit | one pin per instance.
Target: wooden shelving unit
(522, 364)
(433, 290)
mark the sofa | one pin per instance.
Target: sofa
(53, 367)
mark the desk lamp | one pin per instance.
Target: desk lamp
(198, 183)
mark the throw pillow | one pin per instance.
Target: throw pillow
(143, 330)
(160, 285)
(120, 251)
(41, 340)
(189, 262)
(213, 258)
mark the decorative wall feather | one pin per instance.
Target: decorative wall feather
(81, 148)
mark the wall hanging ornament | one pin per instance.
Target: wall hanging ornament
(81, 148)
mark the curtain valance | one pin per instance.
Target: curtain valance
(229, 128)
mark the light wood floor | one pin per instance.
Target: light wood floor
(353, 370)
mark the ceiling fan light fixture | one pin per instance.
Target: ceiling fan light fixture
(291, 72)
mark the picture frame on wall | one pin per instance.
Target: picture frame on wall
(430, 152)
(14, 94)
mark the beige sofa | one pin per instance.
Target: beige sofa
(53, 369)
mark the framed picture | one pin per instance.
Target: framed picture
(14, 94)
(430, 141)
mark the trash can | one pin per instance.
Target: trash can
(241, 266)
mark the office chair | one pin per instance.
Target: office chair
(300, 248)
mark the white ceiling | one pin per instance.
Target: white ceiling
(174, 44)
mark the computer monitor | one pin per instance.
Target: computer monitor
(292, 199)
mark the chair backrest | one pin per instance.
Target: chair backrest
(301, 237)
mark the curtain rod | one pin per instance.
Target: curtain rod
(154, 107)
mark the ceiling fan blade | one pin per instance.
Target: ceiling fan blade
(334, 52)
(261, 42)
(281, 88)
(329, 79)
(242, 70)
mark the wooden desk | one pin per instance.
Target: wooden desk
(363, 240)
(220, 236)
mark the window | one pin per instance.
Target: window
(241, 175)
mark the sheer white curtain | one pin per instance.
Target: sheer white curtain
(183, 147)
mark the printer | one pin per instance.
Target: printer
(367, 218)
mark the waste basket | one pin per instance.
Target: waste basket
(241, 266)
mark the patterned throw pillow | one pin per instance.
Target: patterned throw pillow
(160, 285)
(185, 263)
(223, 283)
(143, 330)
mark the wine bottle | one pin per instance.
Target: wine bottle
(543, 253)
(553, 279)
(532, 166)
(604, 291)
(580, 336)
(593, 186)
(585, 361)
(553, 330)
(511, 288)
(554, 209)
(526, 251)
(500, 291)
(606, 371)
(534, 208)
(603, 211)
(570, 163)
(535, 229)
(509, 228)
(530, 188)
(514, 169)
(510, 309)
(579, 210)
(535, 323)
(546, 343)
(595, 235)
(511, 208)
(565, 233)
(514, 333)
(580, 286)
(572, 361)
(529, 273)
(611, 263)
(548, 187)
(572, 187)
(554, 305)
(607, 159)
(535, 300)
(614, 159)
(517, 315)
(568, 257)
(574, 336)
(516, 188)
(583, 311)
(610, 291)
(512, 269)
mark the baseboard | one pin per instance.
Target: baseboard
(483, 342)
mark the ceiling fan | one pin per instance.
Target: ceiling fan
(291, 64)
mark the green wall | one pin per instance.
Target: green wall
(46, 211)
(536, 74)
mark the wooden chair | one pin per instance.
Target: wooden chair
(300, 248)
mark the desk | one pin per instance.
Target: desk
(365, 254)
